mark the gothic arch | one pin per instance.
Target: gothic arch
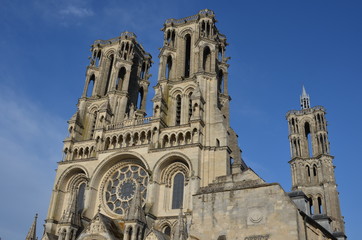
(68, 174)
(93, 108)
(110, 52)
(176, 91)
(186, 31)
(167, 159)
(202, 46)
(111, 161)
(189, 89)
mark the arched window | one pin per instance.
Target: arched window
(320, 206)
(168, 67)
(178, 191)
(314, 170)
(111, 58)
(80, 197)
(206, 63)
(311, 208)
(120, 78)
(187, 55)
(178, 110)
(308, 173)
(167, 230)
(309, 140)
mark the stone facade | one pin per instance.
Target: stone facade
(177, 174)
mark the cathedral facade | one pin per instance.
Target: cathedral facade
(179, 174)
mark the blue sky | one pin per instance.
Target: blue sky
(275, 47)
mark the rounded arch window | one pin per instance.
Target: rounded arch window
(120, 186)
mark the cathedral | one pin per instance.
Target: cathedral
(179, 174)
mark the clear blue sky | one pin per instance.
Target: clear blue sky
(275, 47)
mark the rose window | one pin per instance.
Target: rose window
(120, 187)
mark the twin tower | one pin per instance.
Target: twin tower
(127, 176)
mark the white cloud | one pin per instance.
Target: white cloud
(76, 11)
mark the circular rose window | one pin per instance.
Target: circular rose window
(120, 187)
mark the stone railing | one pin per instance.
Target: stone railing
(305, 111)
(110, 41)
(182, 20)
(129, 123)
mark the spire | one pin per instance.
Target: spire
(304, 99)
(135, 210)
(180, 230)
(71, 215)
(32, 231)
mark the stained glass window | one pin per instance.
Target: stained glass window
(178, 191)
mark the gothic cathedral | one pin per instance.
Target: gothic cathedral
(179, 174)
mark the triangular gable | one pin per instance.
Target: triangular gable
(103, 227)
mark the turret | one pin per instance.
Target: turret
(312, 165)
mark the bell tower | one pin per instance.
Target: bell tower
(311, 164)
(192, 88)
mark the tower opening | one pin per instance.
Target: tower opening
(190, 106)
(206, 63)
(308, 138)
(308, 173)
(140, 98)
(98, 58)
(320, 207)
(311, 208)
(168, 67)
(219, 55)
(187, 55)
(90, 86)
(220, 82)
(109, 74)
(178, 110)
(143, 70)
(120, 78)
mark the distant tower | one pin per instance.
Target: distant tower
(32, 231)
(311, 163)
